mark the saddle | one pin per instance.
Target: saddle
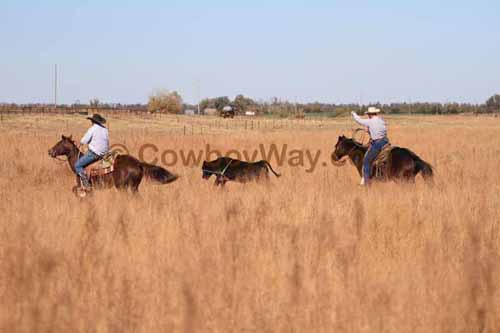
(381, 163)
(102, 167)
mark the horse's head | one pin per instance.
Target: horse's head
(207, 169)
(343, 147)
(63, 147)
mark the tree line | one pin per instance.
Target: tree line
(164, 101)
(284, 108)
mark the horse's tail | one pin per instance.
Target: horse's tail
(271, 168)
(423, 167)
(158, 174)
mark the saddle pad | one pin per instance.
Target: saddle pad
(103, 166)
(101, 171)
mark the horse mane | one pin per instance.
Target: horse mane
(355, 143)
(72, 142)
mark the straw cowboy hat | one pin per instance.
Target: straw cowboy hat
(98, 119)
(372, 110)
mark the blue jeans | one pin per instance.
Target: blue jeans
(371, 155)
(87, 159)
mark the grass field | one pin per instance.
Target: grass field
(310, 251)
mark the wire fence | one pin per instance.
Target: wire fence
(180, 124)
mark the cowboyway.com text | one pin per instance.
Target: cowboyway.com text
(276, 154)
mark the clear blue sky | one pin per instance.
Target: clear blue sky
(330, 51)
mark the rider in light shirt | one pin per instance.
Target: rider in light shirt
(97, 139)
(378, 137)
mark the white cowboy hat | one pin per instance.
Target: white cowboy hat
(372, 110)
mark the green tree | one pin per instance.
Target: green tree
(165, 101)
(242, 103)
(221, 102)
(94, 102)
(493, 103)
(206, 103)
(215, 103)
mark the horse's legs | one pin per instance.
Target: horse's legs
(220, 180)
(118, 179)
(409, 177)
(134, 186)
(132, 183)
(262, 176)
(121, 178)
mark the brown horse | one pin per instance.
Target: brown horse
(127, 170)
(402, 163)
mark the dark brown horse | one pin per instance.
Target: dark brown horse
(229, 169)
(127, 170)
(402, 163)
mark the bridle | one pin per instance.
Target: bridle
(343, 159)
(62, 160)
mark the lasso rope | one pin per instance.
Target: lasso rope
(219, 173)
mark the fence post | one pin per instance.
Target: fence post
(184, 129)
(245, 124)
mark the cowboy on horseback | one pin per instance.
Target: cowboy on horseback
(97, 139)
(378, 139)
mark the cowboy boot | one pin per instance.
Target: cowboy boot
(84, 179)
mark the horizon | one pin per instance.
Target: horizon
(304, 52)
(258, 101)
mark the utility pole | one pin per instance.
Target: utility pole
(198, 96)
(55, 87)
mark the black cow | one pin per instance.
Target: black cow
(229, 169)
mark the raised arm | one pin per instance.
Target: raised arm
(359, 120)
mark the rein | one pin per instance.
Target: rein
(219, 173)
(363, 131)
(62, 160)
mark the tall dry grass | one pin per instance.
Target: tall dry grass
(307, 252)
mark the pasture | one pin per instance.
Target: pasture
(310, 251)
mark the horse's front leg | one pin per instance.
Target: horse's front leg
(220, 180)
